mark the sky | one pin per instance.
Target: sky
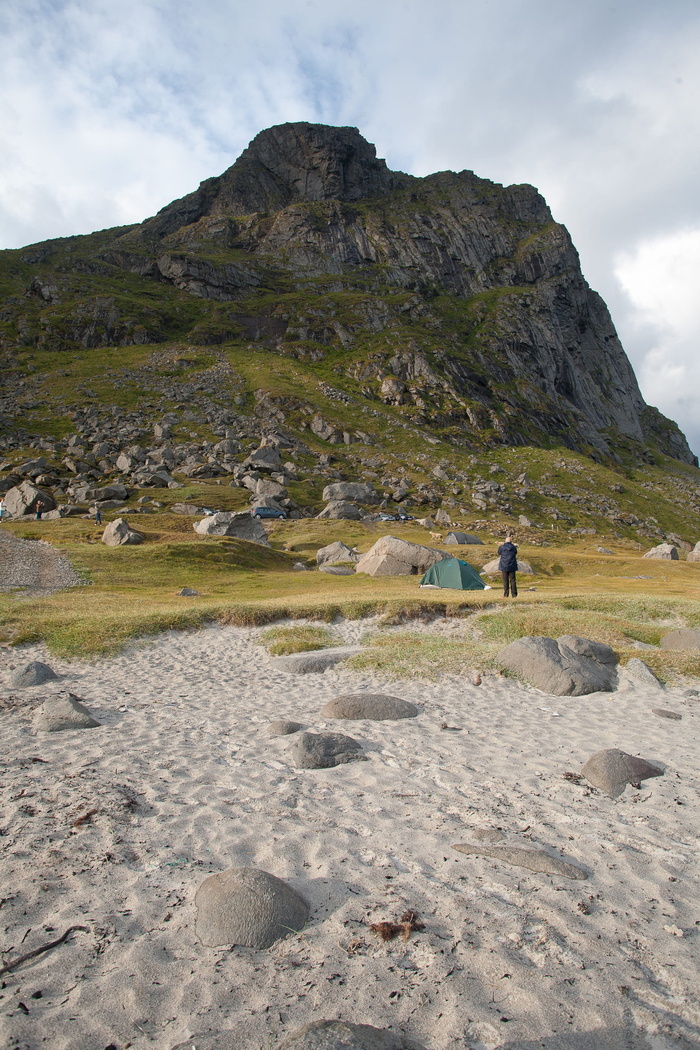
(113, 108)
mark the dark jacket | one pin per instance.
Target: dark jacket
(509, 557)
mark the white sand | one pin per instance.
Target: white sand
(184, 781)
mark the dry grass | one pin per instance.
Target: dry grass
(302, 638)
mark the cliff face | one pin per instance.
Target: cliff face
(459, 301)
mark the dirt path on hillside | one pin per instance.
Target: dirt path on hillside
(34, 566)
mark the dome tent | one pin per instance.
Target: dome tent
(454, 573)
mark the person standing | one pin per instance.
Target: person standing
(508, 565)
(3, 508)
(98, 516)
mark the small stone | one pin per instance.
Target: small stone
(187, 592)
(323, 750)
(62, 712)
(611, 770)
(377, 707)
(34, 673)
(642, 672)
(663, 713)
(283, 728)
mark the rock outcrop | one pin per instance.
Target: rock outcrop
(567, 666)
(390, 556)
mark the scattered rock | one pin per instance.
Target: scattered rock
(61, 712)
(282, 728)
(337, 570)
(323, 750)
(442, 517)
(25, 498)
(355, 491)
(394, 557)
(34, 673)
(249, 907)
(187, 592)
(663, 713)
(491, 568)
(612, 770)
(642, 672)
(188, 508)
(264, 458)
(336, 552)
(343, 1035)
(524, 857)
(341, 509)
(569, 666)
(664, 550)
(694, 555)
(119, 534)
(242, 525)
(316, 660)
(685, 638)
(378, 707)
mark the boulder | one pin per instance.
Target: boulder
(323, 750)
(462, 537)
(612, 770)
(284, 728)
(639, 670)
(187, 592)
(24, 498)
(664, 550)
(268, 487)
(62, 712)
(316, 660)
(120, 534)
(376, 707)
(94, 494)
(569, 666)
(227, 447)
(491, 568)
(685, 638)
(342, 1035)
(249, 907)
(337, 570)
(694, 555)
(341, 509)
(188, 508)
(242, 525)
(265, 458)
(336, 552)
(391, 556)
(442, 517)
(34, 673)
(355, 491)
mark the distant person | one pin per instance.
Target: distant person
(508, 565)
(3, 509)
(39, 510)
(98, 517)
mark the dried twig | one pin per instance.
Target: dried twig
(44, 948)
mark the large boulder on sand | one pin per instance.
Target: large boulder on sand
(355, 491)
(61, 712)
(120, 534)
(249, 907)
(336, 552)
(491, 568)
(664, 550)
(569, 666)
(25, 498)
(612, 770)
(391, 556)
(376, 707)
(323, 750)
(242, 525)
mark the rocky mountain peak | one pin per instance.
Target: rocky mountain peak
(285, 164)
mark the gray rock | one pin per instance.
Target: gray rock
(685, 638)
(283, 728)
(642, 672)
(62, 712)
(612, 770)
(188, 508)
(491, 568)
(323, 750)
(341, 509)
(524, 521)
(532, 859)
(343, 1035)
(34, 673)
(226, 1039)
(119, 534)
(337, 570)
(694, 555)
(442, 517)
(95, 494)
(462, 537)
(187, 592)
(24, 499)
(336, 552)
(248, 907)
(662, 712)
(375, 706)
(665, 551)
(569, 666)
(391, 556)
(264, 458)
(316, 660)
(355, 491)
(242, 525)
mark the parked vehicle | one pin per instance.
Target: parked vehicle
(268, 512)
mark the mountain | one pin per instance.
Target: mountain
(454, 302)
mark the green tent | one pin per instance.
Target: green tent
(452, 572)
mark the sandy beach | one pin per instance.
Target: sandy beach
(114, 829)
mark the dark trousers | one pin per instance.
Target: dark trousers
(509, 582)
